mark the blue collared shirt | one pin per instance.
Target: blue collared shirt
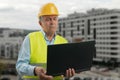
(22, 66)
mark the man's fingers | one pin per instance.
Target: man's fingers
(70, 72)
(73, 72)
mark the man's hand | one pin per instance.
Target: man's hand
(70, 72)
(41, 73)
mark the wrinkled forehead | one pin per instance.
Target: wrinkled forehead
(50, 16)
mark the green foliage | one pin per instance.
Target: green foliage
(2, 67)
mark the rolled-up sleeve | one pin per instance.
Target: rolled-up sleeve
(22, 65)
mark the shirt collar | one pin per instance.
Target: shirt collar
(45, 37)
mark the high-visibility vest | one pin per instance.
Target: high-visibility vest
(38, 50)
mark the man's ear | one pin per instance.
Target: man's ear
(40, 23)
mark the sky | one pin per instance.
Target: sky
(22, 14)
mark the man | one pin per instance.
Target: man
(32, 56)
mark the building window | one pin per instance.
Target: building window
(114, 38)
(88, 27)
(82, 25)
(11, 53)
(82, 31)
(82, 20)
(94, 24)
(113, 22)
(113, 53)
(113, 33)
(114, 43)
(71, 33)
(78, 27)
(63, 33)
(71, 24)
(1, 31)
(78, 21)
(113, 27)
(94, 33)
(94, 19)
(2, 51)
(114, 17)
(114, 48)
(59, 27)
(63, 25)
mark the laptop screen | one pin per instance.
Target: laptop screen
(61, 57)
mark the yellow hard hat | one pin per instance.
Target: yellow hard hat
(48, 9)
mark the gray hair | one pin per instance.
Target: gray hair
(40, 18)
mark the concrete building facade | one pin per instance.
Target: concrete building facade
(101, 25)
(10, 42)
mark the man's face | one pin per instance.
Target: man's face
(49, 23)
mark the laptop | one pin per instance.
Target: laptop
(61, 57)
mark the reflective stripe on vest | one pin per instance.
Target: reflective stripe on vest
(38, 49)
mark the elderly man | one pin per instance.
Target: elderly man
(33, 53)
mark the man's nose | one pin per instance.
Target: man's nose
(52, 21)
